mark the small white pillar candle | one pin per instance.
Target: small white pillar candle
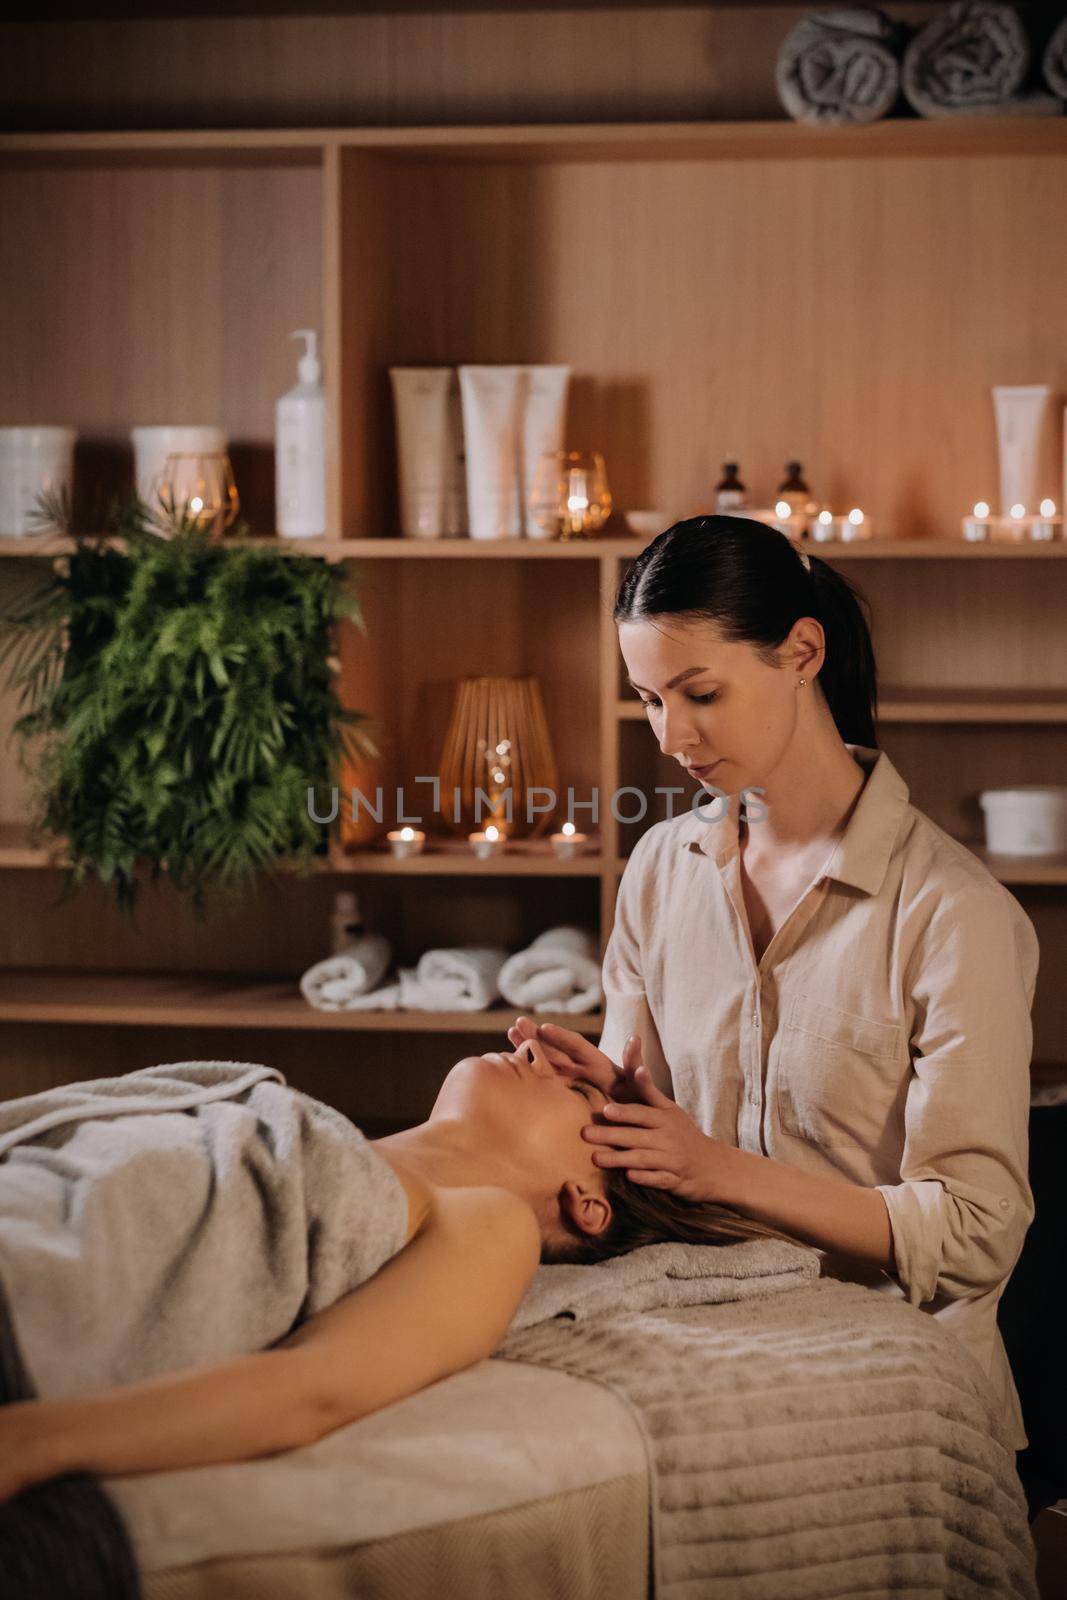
(1016, 525)
(1046, 525)
(979, 525)
(854, 526)
(568, 842)
(406, 841)
(489, 843)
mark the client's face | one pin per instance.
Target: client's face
(531, 1118)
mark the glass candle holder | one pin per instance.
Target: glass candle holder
(198, 489)
(570, 497)
(978, 527)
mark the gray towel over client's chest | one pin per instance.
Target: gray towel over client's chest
(178, 1216)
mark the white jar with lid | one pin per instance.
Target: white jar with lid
(1029, 820)
(33, 461)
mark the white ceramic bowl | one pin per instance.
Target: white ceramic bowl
(646, 524)
(33, 460)
(1029, 820)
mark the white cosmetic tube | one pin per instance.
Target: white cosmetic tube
(429, 452)
(493, 403)
(1020, 412)
(542, 430)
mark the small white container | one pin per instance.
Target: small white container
(1030, 820)
(152, 445)
(32, 461)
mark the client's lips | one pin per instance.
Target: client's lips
(702, 772)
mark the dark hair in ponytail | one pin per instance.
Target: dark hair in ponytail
(749, 581)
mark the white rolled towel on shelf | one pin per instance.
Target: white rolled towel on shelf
(559, 971)
(461, 978)
(336, 983)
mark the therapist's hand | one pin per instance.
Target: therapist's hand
(573, 1056)
(657, 1143)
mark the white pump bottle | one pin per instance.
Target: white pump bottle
(300, 449)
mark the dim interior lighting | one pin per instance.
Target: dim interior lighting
(1048, 508)
(1018, 511)
(783, 510)
(981, 510)
(855, 516)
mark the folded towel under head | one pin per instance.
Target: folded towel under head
(559, 971)
(971, 59)
(840, 66)
(672, 1274)
(1054, 61)
(333, 984)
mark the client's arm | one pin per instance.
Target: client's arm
(442, 1304)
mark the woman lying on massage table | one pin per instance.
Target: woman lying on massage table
(498, 1179)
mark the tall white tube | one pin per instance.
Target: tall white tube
(493, 403)
(1020, 412)
(542, 429)
(429, 436)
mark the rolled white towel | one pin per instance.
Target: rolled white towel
(559, 971)
(333, 984)
(463, 978)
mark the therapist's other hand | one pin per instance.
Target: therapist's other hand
(657, 1142)
(572, 1055)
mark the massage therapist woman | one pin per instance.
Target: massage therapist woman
(833, 996)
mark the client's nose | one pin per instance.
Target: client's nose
(537, 1059)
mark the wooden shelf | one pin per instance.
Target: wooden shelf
(625, 548)
(1006, 869)
(943, 705)
(777, 138)
(128, 999)
(524, 858)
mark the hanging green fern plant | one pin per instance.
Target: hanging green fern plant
(180, 702)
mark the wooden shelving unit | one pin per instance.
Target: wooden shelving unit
(811, 262)
(129, 1000)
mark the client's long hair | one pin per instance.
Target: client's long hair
(641, 1214)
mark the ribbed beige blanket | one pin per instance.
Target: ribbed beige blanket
(821, 1441)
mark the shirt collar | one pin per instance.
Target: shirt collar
(864, 849)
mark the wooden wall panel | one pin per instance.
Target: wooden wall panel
(853, 314)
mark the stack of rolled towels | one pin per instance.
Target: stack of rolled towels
(559, 971)
(852, 65)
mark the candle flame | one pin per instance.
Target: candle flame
(783, 510)
(981, 510)
(568, 828)
(1048, 508)
(1018, 511)
(855, 516)
(825, 517)
(407, 833)
(492, 832)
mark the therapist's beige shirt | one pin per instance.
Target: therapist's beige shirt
(884, 1038)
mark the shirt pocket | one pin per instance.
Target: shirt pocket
(841, 1077)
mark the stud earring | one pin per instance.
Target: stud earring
(803, 680)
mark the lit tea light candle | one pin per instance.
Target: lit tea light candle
(406, 841)
(823, 526)
(1016, 525)
(855, 525)
(979, 525)
(568, 842)
(489, 843)
(1046, 525)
